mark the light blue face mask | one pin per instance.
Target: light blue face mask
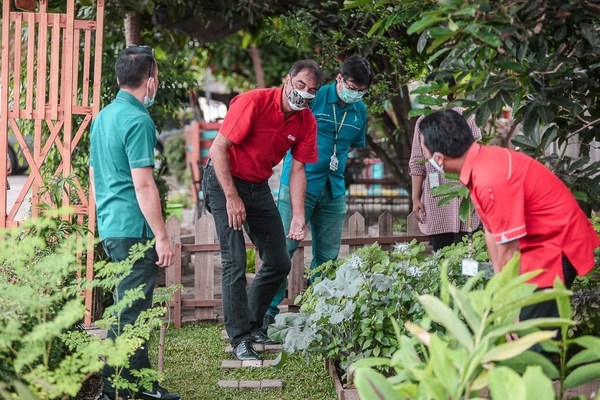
(349, 95)
(147, 100)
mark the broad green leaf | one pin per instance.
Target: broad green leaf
(511, 65)
(526, 325)
(420, 25)
(586, 341)
(488, 38)
(505, 384)
(373, 385)
(582, 375)
(463, 303)
(584, 357)
(441, 313)
(528, 358)
(514, 348)
(279, 361)
(538, 385)
(442, 364)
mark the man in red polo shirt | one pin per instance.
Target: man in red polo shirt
(522, 204)
(260, 127)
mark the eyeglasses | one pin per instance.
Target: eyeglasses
(359, 91)
(144, 49)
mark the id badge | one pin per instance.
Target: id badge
(333, 163)
(470, 267)
(434, 180)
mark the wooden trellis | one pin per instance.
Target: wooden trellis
(50, 91)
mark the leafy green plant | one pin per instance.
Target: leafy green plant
(471, 353)
(44, 352)
(175, 157)
(346, 315)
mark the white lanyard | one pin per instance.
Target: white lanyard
(333, 162)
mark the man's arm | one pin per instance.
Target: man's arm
(500, 254)
(236, 211)
(297, 193)
(148, 199)
(417, 189)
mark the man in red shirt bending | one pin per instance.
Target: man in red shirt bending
(260, 127)
(522, 204)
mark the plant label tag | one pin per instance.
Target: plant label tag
(434, 180)
(469, 267)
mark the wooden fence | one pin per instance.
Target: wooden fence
(201, 298)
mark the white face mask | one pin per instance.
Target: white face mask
(435, 165)
(299, 100)
(148, 101)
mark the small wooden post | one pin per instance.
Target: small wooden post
(173, 273)
(161, 349)
(204, 271)
(296, 277)
(356, 228)
(386, 228)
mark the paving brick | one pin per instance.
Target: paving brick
(273, 347)
(224, 334)
(250, 384)
(228, 364)
(229, 384)
(252, 363)
(271, 384)
(268, 363)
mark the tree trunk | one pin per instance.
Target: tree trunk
(133, 33)
(259, 73)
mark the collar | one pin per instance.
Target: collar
(332, 97)
(467, 168)
(124, 95)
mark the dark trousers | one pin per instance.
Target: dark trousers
(549, 309)
(244, 311)
(442, 240)
(143, 274)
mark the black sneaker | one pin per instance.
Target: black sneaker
(245, 352)
(260, 337)
(158, 392)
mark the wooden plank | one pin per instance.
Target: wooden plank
(173, 273)
(386, 228)
(356, 229)
(296, 281)
(204, 266)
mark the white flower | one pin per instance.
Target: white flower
(402, 247)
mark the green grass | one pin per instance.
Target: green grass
(192, 367)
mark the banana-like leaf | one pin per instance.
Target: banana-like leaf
(582, 375)
(373, 385)
(441, 313)
(514, 348)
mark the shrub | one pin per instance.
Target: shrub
(175, 157)
(44, 352)
(346, 315)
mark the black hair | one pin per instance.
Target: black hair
(446, 132)
(310, 65)
(358, 69)
(134, 65)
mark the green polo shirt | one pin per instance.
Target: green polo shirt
(123, 137)
(351, 120)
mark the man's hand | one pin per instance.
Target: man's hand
(236, 212)
(297, 228)
(418, 210)
(165, 252)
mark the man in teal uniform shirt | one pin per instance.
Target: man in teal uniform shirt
(341, 125)
(123, 137)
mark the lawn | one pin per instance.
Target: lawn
(193, 356)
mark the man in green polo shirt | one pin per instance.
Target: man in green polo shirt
(341, 125)
(123, 136)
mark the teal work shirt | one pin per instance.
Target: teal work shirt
(351, 120)
(123, 137)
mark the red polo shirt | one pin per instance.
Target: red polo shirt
(261, 135)
(517, 197)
